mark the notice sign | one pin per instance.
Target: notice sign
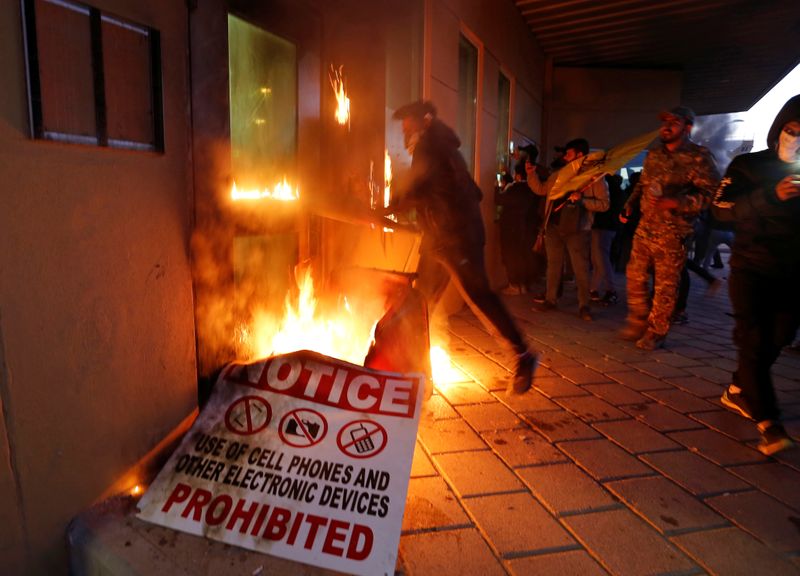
(300, 456)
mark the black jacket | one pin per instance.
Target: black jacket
(444, 194)
(767, 230)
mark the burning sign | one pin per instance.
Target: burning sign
(300, 456)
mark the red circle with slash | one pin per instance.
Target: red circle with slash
(302, 428)
(362, 439)
(248, 415)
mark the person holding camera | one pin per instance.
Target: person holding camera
(760, 195)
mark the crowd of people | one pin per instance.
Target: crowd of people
(668, 221)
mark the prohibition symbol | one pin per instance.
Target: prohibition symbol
(302, 428)
(248, 415)
(362, 439)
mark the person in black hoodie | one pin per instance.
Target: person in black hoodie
(760, 194)
(447, 202)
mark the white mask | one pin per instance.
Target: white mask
(788, 147)
(411, 142)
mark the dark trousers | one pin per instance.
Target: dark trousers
(686, 283)
(467, 269)
(767, 312)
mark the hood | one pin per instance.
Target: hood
(789, 112)
(442, 134)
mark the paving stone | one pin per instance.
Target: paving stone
(660, 417)
(476, 473)
(639, 381)
(667, 507)
(518, 524)
(698, 386)
(604, 364)
(659, 370)
(421, 465)
(604, 460)
(733, 552)
(431, 504)
(616, 394)
(485, 371)
(680, 401)
(762, 516)
(523, 447)
(555, 361)
(636, 437)
(449, 436)
(626, 545)
(465, 393)
(548, 484)
(558, 564)
(711, 374)
(778, 481)
(694, 473)
(716, 447)
(678, 360)
(558, 387)
(560, 425)
(730, 424)
(692, 351)
(531, 401)
(492, 416)
(582, 375)
(437, 408)
(591, 408)
(448, 552)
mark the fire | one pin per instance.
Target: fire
(387, 179)
(444, 372)
(342, 101)
(281, 191)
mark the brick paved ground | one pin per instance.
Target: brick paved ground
(617, 462)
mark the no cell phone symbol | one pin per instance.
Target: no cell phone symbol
(302, 428)
(248, 415)
(362, 439)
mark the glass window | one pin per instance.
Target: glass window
(263, 105)
(93, 78)
(467, 98)
(503, 122)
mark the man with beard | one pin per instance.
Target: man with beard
(678, 180)
(760, 195)
(447, 203)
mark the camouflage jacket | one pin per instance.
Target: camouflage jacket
(689, 175)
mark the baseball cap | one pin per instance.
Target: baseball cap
(579, 145)
(683, 112)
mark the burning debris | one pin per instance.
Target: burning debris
(336, 78)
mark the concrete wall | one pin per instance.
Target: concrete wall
(607, 106)
(97, 358)
(507, 43)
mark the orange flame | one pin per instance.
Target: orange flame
(342, 101)
(444, 372)
(281, 191)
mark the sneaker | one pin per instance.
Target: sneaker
(546, 306)
(633, 331)
(736, 402)
(651, 341)
(773, 438)
(585, 314)
(594, 295)
(539, 298)
(679, 318)
(523, 375)
(610, 297)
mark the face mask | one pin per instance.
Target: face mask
(411, 142)
(788, 146)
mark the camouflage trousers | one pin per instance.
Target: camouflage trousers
(664, 257)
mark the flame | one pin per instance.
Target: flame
(444, 372)
(387, 179)
(281, 191)
(342, 101)
(344, 333)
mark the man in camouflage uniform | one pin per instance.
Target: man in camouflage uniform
(678, 180)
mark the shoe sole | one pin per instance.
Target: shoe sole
(775, 447)
(735, 407)
(513, 390)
